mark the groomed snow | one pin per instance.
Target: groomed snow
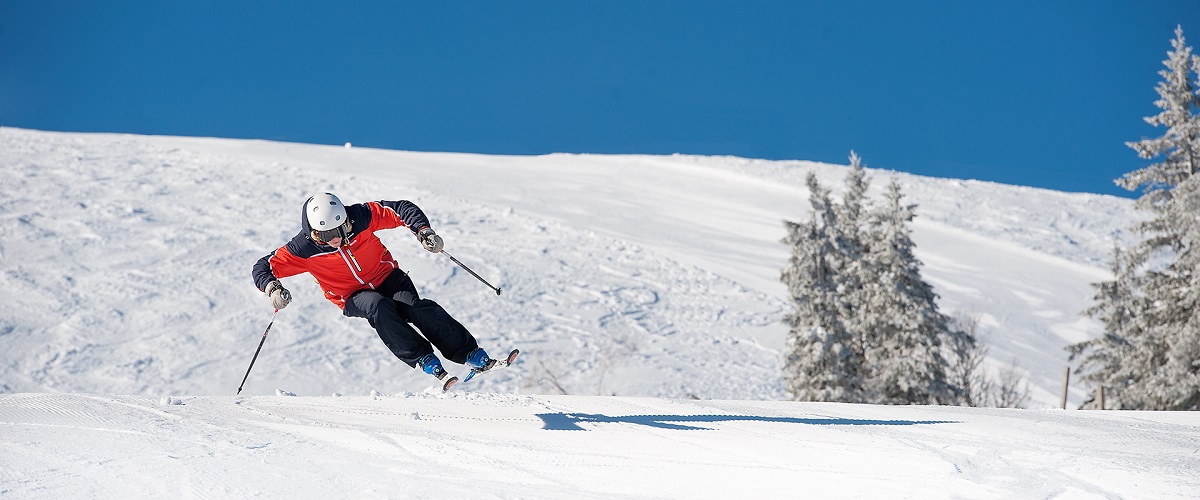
(512, 446)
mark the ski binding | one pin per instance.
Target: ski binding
(494, 364)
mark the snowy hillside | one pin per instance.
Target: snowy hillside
(468, 445)
(128, 317)
(127, 267)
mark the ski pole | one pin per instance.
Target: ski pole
(256, 351)
(460, 264)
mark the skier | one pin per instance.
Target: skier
(337, 245)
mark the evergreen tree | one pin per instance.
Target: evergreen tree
(1180, 144)
(866, 326)
(1173, 291)
(903, 327)
(819, 364)
(1151, 349)
(856, 272)
(1112, 360)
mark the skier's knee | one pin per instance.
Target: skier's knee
(405, 297)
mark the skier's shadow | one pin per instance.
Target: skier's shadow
(571, 421)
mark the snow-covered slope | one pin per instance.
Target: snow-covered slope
(126, 264)
(469, 445)
(127, 259)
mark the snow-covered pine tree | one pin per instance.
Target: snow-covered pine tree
(903, 328)
(1181, 375)
(1171, 345)
(866, 326)
(855, 272)
(1111, 360)
(1158, 369)
(1180, 144)
(819, 364)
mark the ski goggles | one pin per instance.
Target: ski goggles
(342, 231)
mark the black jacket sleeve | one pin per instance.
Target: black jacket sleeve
(409, 212)
(262, 272)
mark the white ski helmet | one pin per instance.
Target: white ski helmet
(324, 212)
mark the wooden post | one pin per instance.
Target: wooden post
(1101, 397)
(1066, 382)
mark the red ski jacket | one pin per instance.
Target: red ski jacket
(362, 262)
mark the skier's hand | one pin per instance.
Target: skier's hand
(280, 296)
(430, 240)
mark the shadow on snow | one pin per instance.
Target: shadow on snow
(571, 421)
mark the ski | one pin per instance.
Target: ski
(494, 364)
(448, 380)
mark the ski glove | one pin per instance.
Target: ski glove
(280, 296)
(430, 240)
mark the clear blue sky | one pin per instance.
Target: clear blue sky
(1041, 93)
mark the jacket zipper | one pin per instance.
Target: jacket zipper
(352, 263)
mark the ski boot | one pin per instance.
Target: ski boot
(433, 366)
(478, 359)
(480, 362)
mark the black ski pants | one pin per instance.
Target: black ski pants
(394, 308)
